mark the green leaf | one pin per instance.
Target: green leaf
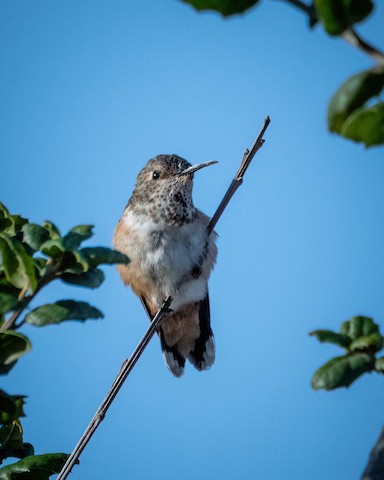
(81, 260)
(34, 467)
(11, 407)
(54, 232)
(15, 224)
(366, 125)
(10, 224)
(331, 14)
(352, 94)
(5, 223)
(338, 15)
(11, 437)
(18, 265)
(91, 279)
(4, 220)
(358, 10)
(76, 235)
(40, 264)
(34, 235)
(8, 302)
(225, 7)
(358, 327)
(100, 255)
(55, 313)
(342, 371)
(13, 345)
(25, 451)
(4, 212)
(368, 343)
(331, 337)
(53, 247)
(379, 364)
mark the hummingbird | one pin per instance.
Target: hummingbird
(171, 254)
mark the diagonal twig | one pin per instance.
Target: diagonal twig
(157, 320)
(238, 179)
(125, 369)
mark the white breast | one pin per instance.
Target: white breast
(167, 254)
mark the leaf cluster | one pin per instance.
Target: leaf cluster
(339, 15)
(361, 339)
(32, 256)
(352, 111)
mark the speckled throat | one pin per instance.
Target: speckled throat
(168, 200)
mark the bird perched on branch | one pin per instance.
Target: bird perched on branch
(172, 254)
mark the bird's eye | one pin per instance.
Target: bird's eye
(155, 175)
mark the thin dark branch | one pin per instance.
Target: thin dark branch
(125, 369)
(375, 467)
(128, 365)
(354, 39)
(238, 179)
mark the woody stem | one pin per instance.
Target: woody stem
(156, 322)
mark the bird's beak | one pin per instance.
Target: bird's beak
(194, 168)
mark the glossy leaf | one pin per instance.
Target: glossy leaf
(12, 224)
(81, 260)
(13, 345)
(9, 223)
(34, 467)
(352, 94)
(358, 327)
(103, 255)
(53, 247)
(342, 371)
(40, 264)
(34, 235)
(72, 240)
(91, 279)
(11, 438)
(225, 7)
(8, 451)
(63, 310)
(53, 231)
(4, 212)
(18, 265)
(366, 125)
(379, 364)
(331, 14)
(358, 10)
(8, 301)
(5, 223)
(369, 343)
(11, 407)
(338, 15)
(328, 336)
(25, 451)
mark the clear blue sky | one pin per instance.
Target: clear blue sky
(90, 90)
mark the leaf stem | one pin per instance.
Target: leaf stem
(354, 39)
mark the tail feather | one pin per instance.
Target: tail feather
(202, 356)
(173, 359)
(196, 343)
